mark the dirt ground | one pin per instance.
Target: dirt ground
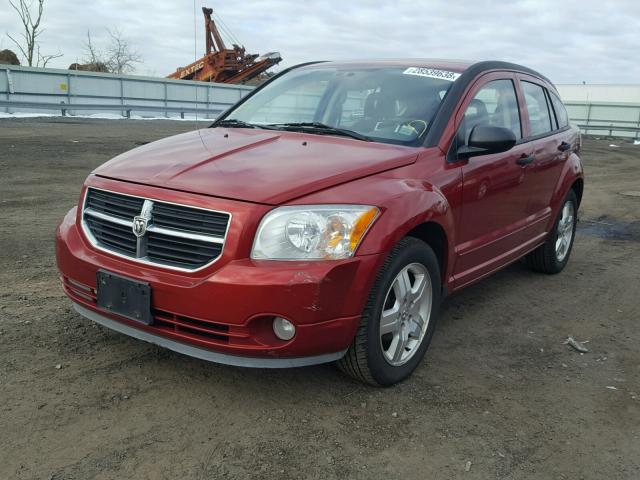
(498, 388)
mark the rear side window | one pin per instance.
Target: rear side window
(537, 108)
(495, 104)
(561, 112)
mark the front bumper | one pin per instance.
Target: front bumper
(202, 353)
(224, 313)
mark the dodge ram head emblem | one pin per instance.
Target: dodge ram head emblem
(139, 226)
(140, 222)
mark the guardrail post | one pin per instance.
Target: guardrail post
(122, 98)
(68, 89)
(208, 101)
(9, 87)
(166, 104)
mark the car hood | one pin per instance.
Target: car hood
(254, 165)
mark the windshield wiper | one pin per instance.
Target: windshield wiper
(321, 128)
(235, 123)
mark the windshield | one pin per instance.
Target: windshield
(387, 104)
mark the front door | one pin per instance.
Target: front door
(494, 200)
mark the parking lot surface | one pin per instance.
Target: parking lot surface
(499, 394)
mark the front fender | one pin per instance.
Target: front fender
(421, 203)
(405, 201)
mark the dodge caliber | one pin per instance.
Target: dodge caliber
(324, 217)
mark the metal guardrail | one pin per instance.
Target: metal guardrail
(126, 108)
(611, 129)
(28, 89)
(618, 119)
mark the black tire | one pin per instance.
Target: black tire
(364, 359)
(544, 258)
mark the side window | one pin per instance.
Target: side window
(561, 112)
(537, 107)
(495, 104)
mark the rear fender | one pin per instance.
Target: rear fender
(571, 172)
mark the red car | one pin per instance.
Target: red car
(325, 216)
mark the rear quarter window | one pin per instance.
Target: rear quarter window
(561, 111)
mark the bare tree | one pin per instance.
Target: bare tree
(29, 46)
(44, 59)
(91, 54)
(121, 57)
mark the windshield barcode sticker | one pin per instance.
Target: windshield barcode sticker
(432, 73)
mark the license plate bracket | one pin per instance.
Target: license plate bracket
(124, 296)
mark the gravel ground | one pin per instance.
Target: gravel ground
(499, 395)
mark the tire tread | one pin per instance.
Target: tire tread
(355, 362)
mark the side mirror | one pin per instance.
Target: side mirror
(485, 139)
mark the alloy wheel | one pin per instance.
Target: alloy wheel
(405, 314)
(565, 231)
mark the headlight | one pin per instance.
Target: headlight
(314, 232)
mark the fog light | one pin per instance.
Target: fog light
(283, 328)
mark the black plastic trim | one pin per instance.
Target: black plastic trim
(552, 111)
(547, 134)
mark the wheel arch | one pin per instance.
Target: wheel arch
(434, 235)
(578, 188)
(571, 178)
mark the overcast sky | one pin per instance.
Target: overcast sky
(568, 40)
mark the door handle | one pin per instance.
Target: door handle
(564, 146)
(525, 160)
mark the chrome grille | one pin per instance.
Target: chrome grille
(185, 218)
(173, 236)
(121, 206)
(180, 251)
(113, 235)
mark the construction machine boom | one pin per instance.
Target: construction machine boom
(221, 64)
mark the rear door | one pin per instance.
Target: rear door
(550, 137)
(494, 199)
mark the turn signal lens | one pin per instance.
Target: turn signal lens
(361, 226)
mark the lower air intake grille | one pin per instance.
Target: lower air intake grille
(150, 231)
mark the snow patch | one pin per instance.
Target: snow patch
(26, 115)
(104, 116)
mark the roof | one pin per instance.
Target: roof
(441, 64)
(458, 66)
